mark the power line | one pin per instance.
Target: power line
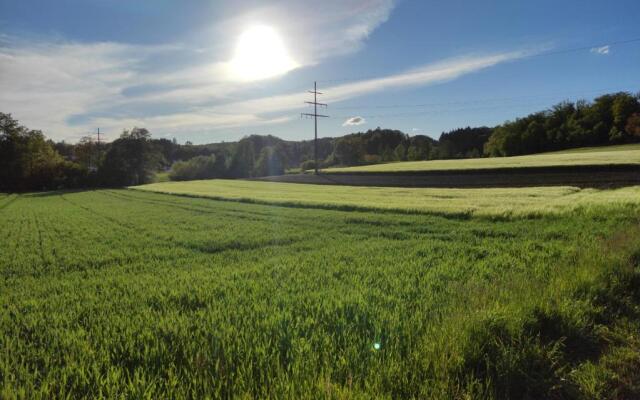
(315, 116)
(431, 112)
(98, 149)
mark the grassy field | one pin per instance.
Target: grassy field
(623, 154)
(494, 202)
(132, 294)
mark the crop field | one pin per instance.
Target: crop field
(489, 202)
(135, 294)
(610, 155)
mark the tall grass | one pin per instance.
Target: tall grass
(135, 294)
(498, 202)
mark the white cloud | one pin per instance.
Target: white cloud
(67, 89)
(354, 121)
(425, 75)
(43, 84)
(600, 50)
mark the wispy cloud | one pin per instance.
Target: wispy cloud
(600, 50)
(354, 121)
(45, 83)
(429, 74)
(67, 89)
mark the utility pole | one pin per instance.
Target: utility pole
(98, 149)
(315, 116)
(99, 141)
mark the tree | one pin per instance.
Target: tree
(86, 153)
(413, 154)
(243, 159)
(461, 142)
(422, 147)
(349, 150)
(623, 106)
(400, 152)
(270, 162)
(27, 160)
(307, 165)
(534, 136)
(633, 125)
(131, 160)
(200, 167)
(565, 125)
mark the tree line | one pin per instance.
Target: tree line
(609, 119)
(29, 161)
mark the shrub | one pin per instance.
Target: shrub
(307, 165)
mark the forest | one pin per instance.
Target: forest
(29, 161)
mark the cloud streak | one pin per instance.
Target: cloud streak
(425, 75)
(67, 89)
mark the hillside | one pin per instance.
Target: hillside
(607, 155)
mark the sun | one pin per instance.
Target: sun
(260, 54)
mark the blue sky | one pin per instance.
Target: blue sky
(210, 71)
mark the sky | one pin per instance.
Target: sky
(212, 71)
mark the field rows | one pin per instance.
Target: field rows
(487, 202)
(134, 294)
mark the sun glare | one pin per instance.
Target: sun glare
(260, 54)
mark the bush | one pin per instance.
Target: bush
(307, 165)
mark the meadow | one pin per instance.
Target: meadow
(606, 155)
(496, 202)
(134, 294)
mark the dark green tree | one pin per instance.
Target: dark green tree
(270, 162)
(28, 161)
(349, 150)
(243, 159)
(400, 153)
(131, 159)
(199, 167)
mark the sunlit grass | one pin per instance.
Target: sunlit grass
(131, 294)
(494, 201)
(623, 154)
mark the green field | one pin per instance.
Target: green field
(494, 202)
(132, 294)
(610, 155)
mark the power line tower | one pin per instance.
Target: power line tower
(98, 140)
(315, 116)
(98, 150)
